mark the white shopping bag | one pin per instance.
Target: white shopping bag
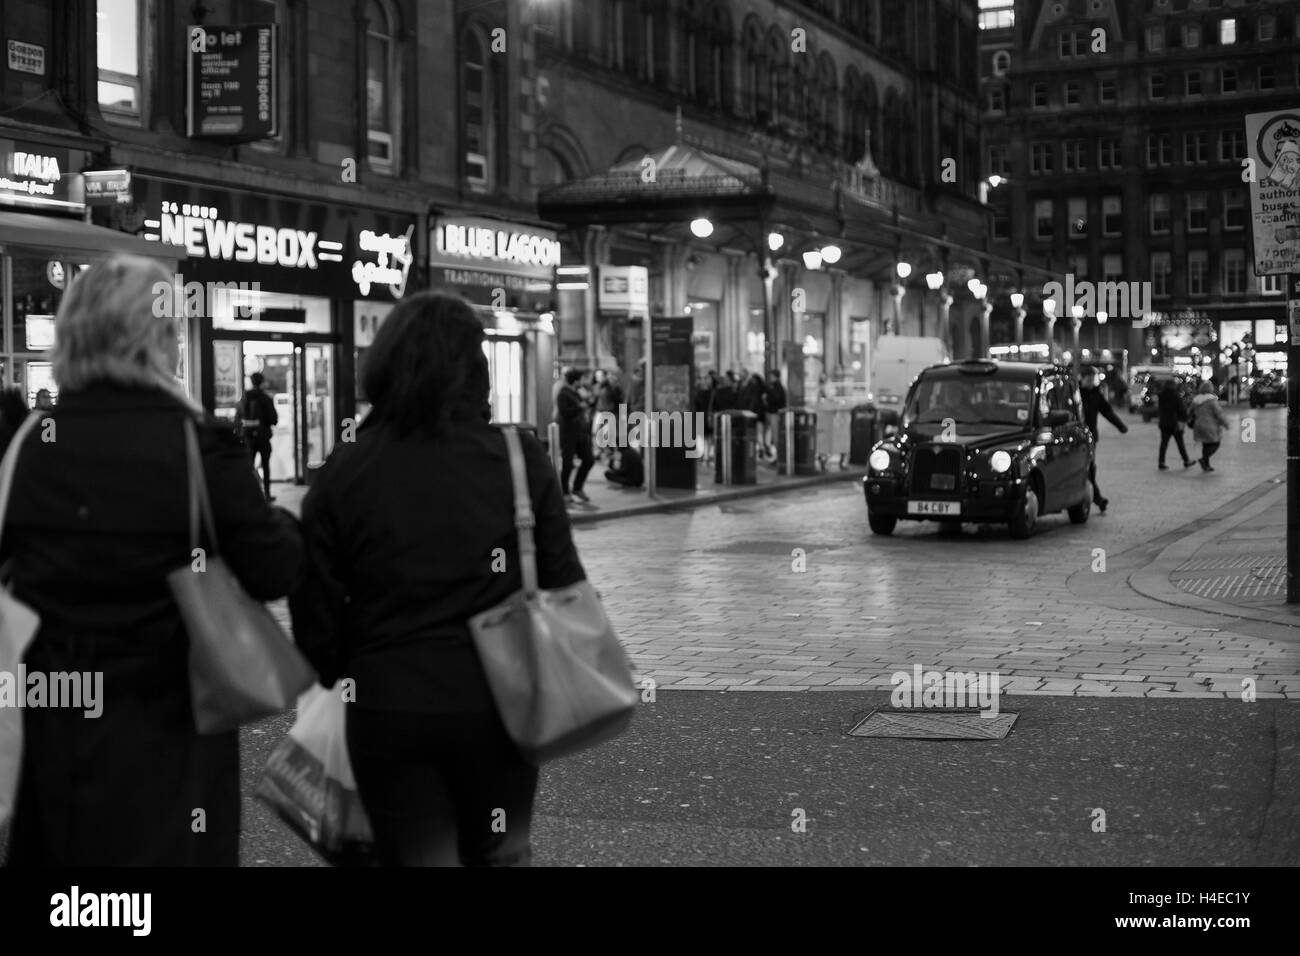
(309, 784)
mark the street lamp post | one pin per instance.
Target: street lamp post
(1101, 323)
(1018, 303)
(904, 269)
(934, 281)
(1049, 316)
(980, 291)
(1076, 323)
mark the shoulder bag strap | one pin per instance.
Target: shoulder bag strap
(200, 506)
(524, 520)
(10, 463)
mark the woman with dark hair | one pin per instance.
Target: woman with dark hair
(410, 532)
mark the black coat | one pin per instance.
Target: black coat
(571, 413)
(1095, 405)
(1171, 410)
(401, 551)
(98, 518)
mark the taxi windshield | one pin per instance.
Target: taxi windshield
(969, 401)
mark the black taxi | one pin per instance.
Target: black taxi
(986, 442)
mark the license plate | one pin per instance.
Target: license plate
(934, 507)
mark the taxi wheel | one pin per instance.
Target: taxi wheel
(1022, 522)
(1079, 513)
(881, 524)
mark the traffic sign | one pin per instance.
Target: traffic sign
(1273, 147)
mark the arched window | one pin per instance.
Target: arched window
(892, 136)
(1001, 62)
(801, 106)
(826, 105)
(382, 88)
(482, 108)
(719, 56)
(777, 79)
(625, 36)
(755, 72)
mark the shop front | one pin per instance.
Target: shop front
(506, 271)
(44, 242)
(289, 289)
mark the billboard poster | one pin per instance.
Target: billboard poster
(232, 82)
(1273, 146)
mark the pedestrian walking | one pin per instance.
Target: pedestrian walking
(704, 406)
(258, 419)
(575, 437)
(775, 401)
(1095, 405)
(1208, 423)
(393, 580)
(1172, 414)
(96, 522)
(1234, 381)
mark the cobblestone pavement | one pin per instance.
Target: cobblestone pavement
(710, 599)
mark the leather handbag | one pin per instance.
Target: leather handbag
(558, 674)
(242, 665)
(18, 627)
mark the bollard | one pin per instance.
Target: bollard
(724, 436)
(553, 443)
(789, 440)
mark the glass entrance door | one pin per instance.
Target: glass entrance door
(299, 377)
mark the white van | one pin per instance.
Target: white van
(897, 361)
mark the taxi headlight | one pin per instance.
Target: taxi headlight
(1000, 462)
(879, 460)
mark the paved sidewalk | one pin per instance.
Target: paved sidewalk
(610, 501)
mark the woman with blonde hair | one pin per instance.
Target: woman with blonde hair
(1208, 423)
(97, 519)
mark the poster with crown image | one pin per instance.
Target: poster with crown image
(1273, 171)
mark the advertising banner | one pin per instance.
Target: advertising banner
(1273, 145)
(232, 82)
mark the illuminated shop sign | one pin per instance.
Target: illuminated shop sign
(35, 177)
(495, 246)
(285, 245)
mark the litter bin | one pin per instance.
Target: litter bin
(864, 431)
(736, 434)
(805, 441)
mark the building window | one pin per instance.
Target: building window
(1001, 227)
(1044, 227)
(1040, 96)
(1109, 153)
(1267, 78)
(479, 118)
(1106, 91)
(1155, 38)
(1228, 80)
(1162, 268)
(1196, 148)
(381, 112)
(997, 99)
(1112, 215)
(1074, 157)
(1001, 63)
(1234, 272)
(1112, 267)
(1267, 27)
(1227, 32)
(1160, 149)
(1272, 285)
(1156, 86)
(1040, 158)
(1072, 43)
(117, 40)
(1192, 84)
(1191, 35)
(1198, 212)
(1079, 265)
(997, 160)
(1232, 145)
(1072, 93)
(1198, 273)
(1234, 209)
(1078, 213)
(1160, 219)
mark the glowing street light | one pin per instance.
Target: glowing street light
(775, 241)
(934, 280)
(904, 269)
(812, 259)
(1017, 300)
(831, 254)
(702, 228)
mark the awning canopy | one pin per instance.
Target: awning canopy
(74, 239)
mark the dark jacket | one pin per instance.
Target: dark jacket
(98, 518)
(256, 404)
(571, 413)
(752, 396)
(1171, 410)
(775, 397)
(724, 397)
(1094, 404)
(401, 538)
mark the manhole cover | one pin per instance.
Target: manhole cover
(928, 725)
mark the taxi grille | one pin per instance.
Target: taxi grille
(936, 471)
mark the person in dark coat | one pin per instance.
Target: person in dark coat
(98, 518)
(258, 420)
(630, 472)
(571, 408)
(410, 533)
(704, 406)
(775, 400)
(1095, 405)
(1172, 413)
